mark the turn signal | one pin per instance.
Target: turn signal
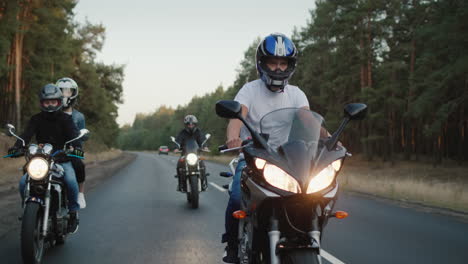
(341, 214)
(239, 214)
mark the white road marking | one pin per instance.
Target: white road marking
(323, 254)
(330, 257)
(221, 189)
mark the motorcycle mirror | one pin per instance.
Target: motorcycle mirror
(228, 109)
(84, 134)
(11, 132)
(355, 111)
(173, 140)
(10, 129)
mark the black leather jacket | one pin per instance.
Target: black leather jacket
(54, 128)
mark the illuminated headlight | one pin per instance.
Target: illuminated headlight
(191, 159)
(324, 178)
(38, 168)
(280, 179)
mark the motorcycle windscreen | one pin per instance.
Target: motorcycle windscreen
(292, 126)
(191, 146)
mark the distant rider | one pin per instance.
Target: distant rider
(191, 130)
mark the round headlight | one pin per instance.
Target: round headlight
(37, 168)
(191, 159)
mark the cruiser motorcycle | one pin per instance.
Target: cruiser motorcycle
(289, 184)
(192, 169)
(45, 205)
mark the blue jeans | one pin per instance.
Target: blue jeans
(231, 224)
(70, 182)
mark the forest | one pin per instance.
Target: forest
(406, 59)
(39, 43)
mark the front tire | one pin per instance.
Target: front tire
(300, 256)
(32, 242)
(194, 191)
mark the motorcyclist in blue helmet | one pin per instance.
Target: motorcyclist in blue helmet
(276, 58)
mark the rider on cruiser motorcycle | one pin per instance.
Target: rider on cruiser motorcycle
(53, 126)
(276, 62)
(69, 89)
(191, 130)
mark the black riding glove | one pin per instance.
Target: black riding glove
(15, 151)
(77, 152)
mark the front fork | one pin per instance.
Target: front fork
(274, 236)
(187, 177)
(45, 205)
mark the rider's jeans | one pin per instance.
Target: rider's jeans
(70, 182)
(231, 224)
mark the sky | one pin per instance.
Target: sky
(175, 50)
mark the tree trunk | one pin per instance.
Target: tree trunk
(18, 73)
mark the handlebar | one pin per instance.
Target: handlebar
(225, 147)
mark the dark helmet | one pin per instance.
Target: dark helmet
(276, 45)
(68, 86)
(190, 120)
(50, 92)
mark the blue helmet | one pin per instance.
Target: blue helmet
(276, 45)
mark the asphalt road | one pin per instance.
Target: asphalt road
(136, 216)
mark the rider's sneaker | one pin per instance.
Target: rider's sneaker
(73, 222)
(81, 200)
(230, 255)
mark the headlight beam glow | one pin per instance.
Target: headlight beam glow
(37, 168)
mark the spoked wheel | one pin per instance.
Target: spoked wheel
(32, 241)
(300, 256)
(194, 191)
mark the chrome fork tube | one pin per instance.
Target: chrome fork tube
(315, 234)
(46, 208)
(274, 236)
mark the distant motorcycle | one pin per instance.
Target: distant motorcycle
(45, 206)
(192, 171)
(289, 185)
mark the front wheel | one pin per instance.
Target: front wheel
(194, 191)
(300, 256)
(32, 241)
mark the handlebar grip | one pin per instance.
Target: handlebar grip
(222, 147)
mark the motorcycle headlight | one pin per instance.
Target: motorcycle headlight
(280, 179)
(324, 178)
(191, 159)
(37, 168)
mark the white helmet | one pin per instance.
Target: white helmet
(190, 120)
(69, 90)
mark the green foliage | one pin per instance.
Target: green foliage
(55, 46)
(406, 60)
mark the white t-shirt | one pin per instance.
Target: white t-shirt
(261, 101)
